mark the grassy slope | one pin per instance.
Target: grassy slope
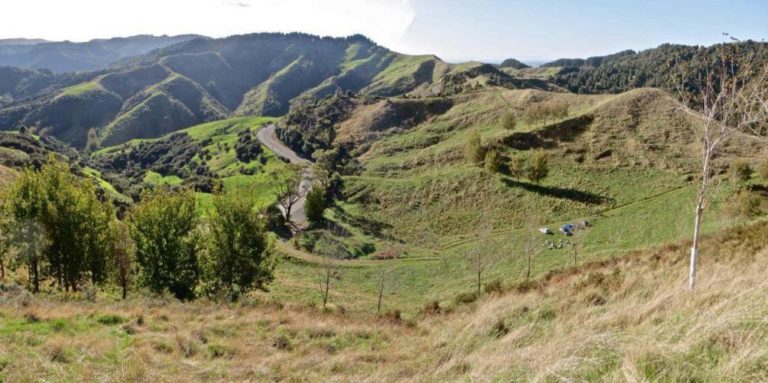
(626, 319)
(435, 209)
(260, 186)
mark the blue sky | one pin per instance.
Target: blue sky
(455, 30)
(494, 29)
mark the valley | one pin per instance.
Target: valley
(289, 207)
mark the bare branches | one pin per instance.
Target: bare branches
(730, 100)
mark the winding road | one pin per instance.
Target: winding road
(268, 138)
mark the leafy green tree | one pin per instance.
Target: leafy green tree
(538, 167)
(240, 257)
(58, 214)
(123, 253)
(509, 121)
(24, 205)
(77, 225)
(473, 149)
(164, 227)
(493, 161)
(92, 140)
(315, 205)
(517, 167)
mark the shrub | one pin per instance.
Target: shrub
(741, 171)
(494, 287)
(745, 204)
(537, 168)
(473, 150)
(492, 161)
(314, 206)
(509, 121)
(762, 169)
(110, 319)
(517, 167)
(465, 298)
(432, 308)
(281, 342)
(499, 329)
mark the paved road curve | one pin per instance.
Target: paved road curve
(267, 137)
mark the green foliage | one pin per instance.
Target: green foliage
(744, 204)
(55, 208)
(762, 169)
(314, 207)
(92, 143)
(517, 166)
(240, 257)
(164, 228)
(664, 67)
(741, 171)
(473, 149)
(509, 121)
(537, 168)
(543, 112)
(493, 161)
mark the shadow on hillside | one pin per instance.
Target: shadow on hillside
(549, 136)
(563, 193)
(367, 225)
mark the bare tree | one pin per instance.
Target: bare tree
(325, 274)
(729, 99)
(330, 250)
(531, 239)
(482, 255)
(383, 281)
(291, 192)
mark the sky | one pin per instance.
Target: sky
(455, 30)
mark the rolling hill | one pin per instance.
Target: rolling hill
(66, 56)
(209, 79)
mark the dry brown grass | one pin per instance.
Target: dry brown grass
(627, 319)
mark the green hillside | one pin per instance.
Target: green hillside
(251, 75)
(417, 196)
(202, 157)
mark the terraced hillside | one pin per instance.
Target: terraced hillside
(251, 75)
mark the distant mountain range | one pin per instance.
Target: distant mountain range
(202, 80)
(66, 56)
(191, 80)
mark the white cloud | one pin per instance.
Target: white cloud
(384, 21)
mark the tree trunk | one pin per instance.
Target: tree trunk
(125, 290)
(35, 276)
(479, 282)
(528, 274)
(697, 220)
(2, 270)
(695, 246)
(574, 255)
(381, 294)
(327, 286)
